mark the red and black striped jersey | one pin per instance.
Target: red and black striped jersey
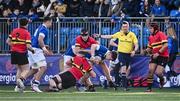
(80, 66)
(85, 44)
(156, 42)
(19, 38)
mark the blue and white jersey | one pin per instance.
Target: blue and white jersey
(113, 47)
(100, 51)
(41, 30)
(69, 51)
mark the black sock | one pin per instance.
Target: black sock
(150, 82)
(124, 80)
(22, 79)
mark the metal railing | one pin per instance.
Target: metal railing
(64, 30)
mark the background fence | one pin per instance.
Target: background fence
(64, 30)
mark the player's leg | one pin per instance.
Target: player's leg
(24, 71)
(162, 61)
(66, 58)
(152, 68)
(55, 83)
(18, 75)
(124, 77)
(42, 66)
(107, 74)
(160, 74)
(23, 65)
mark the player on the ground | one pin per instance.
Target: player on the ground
(80, 67)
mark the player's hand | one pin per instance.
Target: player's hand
(96, 35)
(132, 53)
(46, 51)
(92, 58)
(33, 51)
(155, 55)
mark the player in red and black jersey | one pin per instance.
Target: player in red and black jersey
(20, 42)
(159, 48)
(80, 68)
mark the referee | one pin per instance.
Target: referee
(127, 46)
(20, 42)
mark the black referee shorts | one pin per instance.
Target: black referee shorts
(19, 58)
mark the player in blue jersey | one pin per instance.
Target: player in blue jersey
(38, 61)
(69, 53)
(100, 53)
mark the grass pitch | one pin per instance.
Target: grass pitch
(135, 94)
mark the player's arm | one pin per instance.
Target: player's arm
(41, 43)
(9, 40)
(147, 51)
(164, 43)
(69, 62)
(92, 74)
(28, 43)
(93, 49)
(112, 43)
(103, 36)
(29, 47)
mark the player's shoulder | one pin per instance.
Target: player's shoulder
(78, 38)
(91, 38)
(132, 33)
(161, 33)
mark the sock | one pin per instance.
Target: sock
(124, 80)
(36, 83)
(22, 79)
(117, 78)
(161, 80)
(150, 81)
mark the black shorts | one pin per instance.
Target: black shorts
(19, 58)
(68, 80)
(124, 59)
(160, 60)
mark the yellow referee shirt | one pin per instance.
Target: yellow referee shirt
(126, 42)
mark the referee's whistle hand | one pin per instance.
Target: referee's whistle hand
(132, 53)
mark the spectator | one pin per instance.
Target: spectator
(86, 8)
(172, 47)
(73, 8)
(158, 10)
(116, 7)
(2, 6)
(21, 5)
(145, 9)
(32, 16)
(101, 8)
(16, 14)
(131, 7)
(50, 11)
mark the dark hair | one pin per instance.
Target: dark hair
(154, 25)
(114, 55)
(47, 19)
(84, 31)
(23, 21)
(125, 22)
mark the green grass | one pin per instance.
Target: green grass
(135, 94)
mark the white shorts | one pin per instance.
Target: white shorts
(66, 58)
(37, 59)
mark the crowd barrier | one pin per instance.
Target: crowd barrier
(64, 30)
